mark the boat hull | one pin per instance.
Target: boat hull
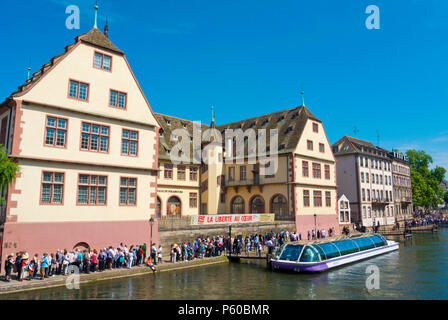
(334, 262)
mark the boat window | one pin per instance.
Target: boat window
(364, 243)
(382, 238)
(346, 246)
(331, 251)
(309, 255)
(378, 241)
(321, 252)
(278, 251)
(291, 252)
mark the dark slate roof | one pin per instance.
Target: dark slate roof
(94, 37)
(165, 144)
(97, 38)
(289, 123)
(350, 145)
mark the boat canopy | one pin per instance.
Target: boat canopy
(328, 250)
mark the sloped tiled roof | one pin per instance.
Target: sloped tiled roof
(169, 124)
(97, 38)
(94, 37)
(350, 145)
(290, 124)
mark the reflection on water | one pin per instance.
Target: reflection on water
(416, 271)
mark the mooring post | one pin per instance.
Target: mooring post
(268, 261)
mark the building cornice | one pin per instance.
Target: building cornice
(86, 163)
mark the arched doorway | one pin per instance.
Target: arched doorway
(174, 207)
(278, 205)
(257, 205)
(81, 246)
(237, 205)
(159, 208)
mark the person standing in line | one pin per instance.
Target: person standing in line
(43, 266)
(18, 266)
(154, 253)
(60, 257)
(159, 254)
(30, 268)
(25, 263)
(9, 266)
(94, 260)
(65, 262)
(144, 251)
(37, 265)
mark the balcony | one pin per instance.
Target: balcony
(406, 199)
(381, 202)
(239, 183)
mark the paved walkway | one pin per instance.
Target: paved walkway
(58, 280)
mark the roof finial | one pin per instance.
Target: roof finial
(213, 116)
(96, 16)
(106, 29)
(29, 71)
(303, 98)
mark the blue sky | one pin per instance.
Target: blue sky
(250, 57)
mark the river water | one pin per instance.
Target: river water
(419, 270)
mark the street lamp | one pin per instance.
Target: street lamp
(315, 225)
(230, 239)
(151, 222)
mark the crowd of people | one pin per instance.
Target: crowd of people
(65, 262)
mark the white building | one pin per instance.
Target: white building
(364, 174)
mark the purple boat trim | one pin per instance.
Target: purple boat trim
(320, 266)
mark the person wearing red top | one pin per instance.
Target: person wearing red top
(94, 260)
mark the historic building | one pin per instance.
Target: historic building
(178, 193)
(364, 175)
(86, 140)
(303, 188)
(402, 188)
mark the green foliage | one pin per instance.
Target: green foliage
(8, 171)
(445, 197)
(426, 189)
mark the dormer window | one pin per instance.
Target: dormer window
(265, 122)
(281, 147)
(281, 119)
(184, 125)
(252, 125)
(102, 61)
(289, 130)
(295, 115)
(168, 122)
(161, 133)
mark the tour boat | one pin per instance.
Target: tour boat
(321, 256)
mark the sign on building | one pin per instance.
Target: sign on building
(231, 219)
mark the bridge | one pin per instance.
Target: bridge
(238, 257)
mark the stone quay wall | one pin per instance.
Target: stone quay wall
(177, 230)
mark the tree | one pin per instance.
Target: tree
(8, 171)
(445, 197)
(426, 189)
